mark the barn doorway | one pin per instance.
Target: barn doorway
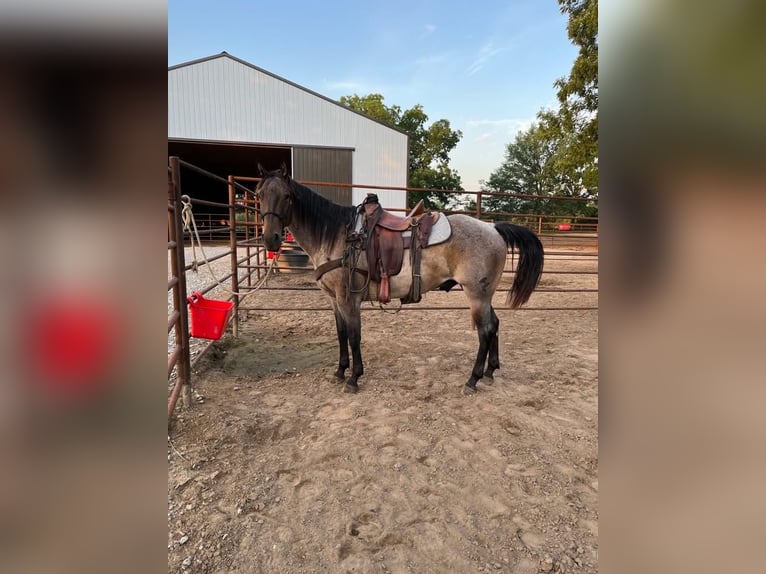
(222, 159)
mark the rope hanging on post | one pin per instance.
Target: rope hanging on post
(190, 225)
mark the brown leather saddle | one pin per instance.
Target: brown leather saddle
(386, 241)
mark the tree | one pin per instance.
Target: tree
(558, 155)
(575, 155)
(525, 171)
(579, 91)
(428, 164)
(536, 163)
(577, 118)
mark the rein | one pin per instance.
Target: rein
(355, 242)
(355, 245)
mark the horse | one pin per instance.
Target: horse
(473, 256)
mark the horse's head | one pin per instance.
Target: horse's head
(276, 196)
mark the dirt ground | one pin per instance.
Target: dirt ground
(277, 470)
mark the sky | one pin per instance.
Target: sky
(487, 66)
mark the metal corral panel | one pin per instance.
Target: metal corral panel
(226, 99)
(324, 164)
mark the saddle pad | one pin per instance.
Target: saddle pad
(440, 231)
(358, 222)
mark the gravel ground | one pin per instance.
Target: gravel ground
(198, 281)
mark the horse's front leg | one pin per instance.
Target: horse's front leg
(340, 327)
(352, 316)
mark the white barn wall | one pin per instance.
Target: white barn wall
(223, 99)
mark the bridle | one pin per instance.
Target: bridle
(279, 216)
(275, 214)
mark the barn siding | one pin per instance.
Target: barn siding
(225, 99)
(322, 164)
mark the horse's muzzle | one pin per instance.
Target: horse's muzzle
(273, 242)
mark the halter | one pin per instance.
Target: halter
(279, 216)
(275, 214)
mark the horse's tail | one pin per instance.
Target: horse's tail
(530, 265)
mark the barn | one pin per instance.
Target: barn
(226, 115)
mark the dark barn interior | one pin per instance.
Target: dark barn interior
(223, 160)
(332, 165)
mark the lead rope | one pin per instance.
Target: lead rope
(190, 225)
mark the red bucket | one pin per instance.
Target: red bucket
(208, 316)
(565, 227)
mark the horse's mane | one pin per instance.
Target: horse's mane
(324, 219)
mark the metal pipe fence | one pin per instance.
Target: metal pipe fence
(585, 239)
(178, 319)
(238, 226)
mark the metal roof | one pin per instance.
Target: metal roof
(225, 54)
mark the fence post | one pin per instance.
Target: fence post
(539, 224)
(478, 205)
(178, 264)
(260, 248)
(246, 209)
(234, 266)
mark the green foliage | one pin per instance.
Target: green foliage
(579, 91)
(576, 121)
(430, 147)
(538, 163)
(558, 155)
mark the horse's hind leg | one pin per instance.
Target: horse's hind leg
(481, 312)
(493, 361)
(340, 326)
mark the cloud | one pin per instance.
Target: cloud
(431, 60)
(428, 29)
(483, 137)
(488, 51)
(350, 86)
(511, 126)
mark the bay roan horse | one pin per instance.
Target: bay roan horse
(474, 256)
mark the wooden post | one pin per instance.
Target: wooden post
(478, 205)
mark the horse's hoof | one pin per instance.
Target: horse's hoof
(488, 379)
(350, 388)
(335, 379)
(469, 390)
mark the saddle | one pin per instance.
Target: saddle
(387, 237)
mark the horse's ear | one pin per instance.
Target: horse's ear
(261, 171)
(283, 170)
